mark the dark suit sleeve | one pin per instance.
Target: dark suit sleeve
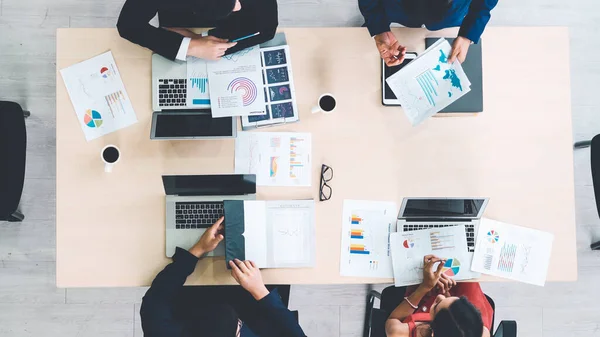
(374, 14)
(133, 25)
(158, 305)
(281, 318)
(477, 18)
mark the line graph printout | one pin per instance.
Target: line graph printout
(514, 252)
(429, 83)
(277, 158)
(197, 83)
(409, 248)
(236, 84)
(365, 246)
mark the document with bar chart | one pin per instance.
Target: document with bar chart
(98, 95)
(197, 83)
(366, 228)
(277, 158)
(514, 252)
(448, 243)
(429, 83)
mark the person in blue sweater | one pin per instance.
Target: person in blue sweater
(170, 310)
(470, 15)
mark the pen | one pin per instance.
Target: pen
(245, 37)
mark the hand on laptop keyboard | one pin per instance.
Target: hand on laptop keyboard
(209, 240)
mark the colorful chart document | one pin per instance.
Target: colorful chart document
(197, 83)
(365, 248)
(98, 96)
(409, 248)
(236, 85)
(429, 83)
(277, 158)
(514, 252)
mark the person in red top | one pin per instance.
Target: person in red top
(441, 307)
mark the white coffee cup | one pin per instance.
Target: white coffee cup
(325, 104)
(110, 155)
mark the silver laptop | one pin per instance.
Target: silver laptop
(176, 118)
(195, 202)
(425, 213)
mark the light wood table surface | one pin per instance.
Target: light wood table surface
(110, 228)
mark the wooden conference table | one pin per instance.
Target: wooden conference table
(111, 227)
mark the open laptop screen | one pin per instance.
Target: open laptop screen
(204, 185)
(442, 207)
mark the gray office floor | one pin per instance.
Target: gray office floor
(31, 305)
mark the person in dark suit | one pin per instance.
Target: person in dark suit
(171, 310)
(470, 15)
(150, 23)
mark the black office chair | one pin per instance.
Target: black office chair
(13, 144)
(594, 145)
(390, 298)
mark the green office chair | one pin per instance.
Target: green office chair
(389, 299)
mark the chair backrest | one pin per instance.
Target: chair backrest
(595, 163)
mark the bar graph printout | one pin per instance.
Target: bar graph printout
(365, 245)
(277, 158)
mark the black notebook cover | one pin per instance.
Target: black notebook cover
(235, 247)
(473, 100)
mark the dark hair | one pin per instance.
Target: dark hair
(461, 319)
(432, 10)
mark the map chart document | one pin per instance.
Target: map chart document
(365, 245)
(98, 96)
(428, 83)
(409, 248)
(277, 158)
(236, 86)
(514, 252)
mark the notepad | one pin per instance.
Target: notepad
(272, 234)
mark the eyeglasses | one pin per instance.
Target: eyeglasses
(326, 176)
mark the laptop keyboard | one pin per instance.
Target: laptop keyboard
(469, 229)
(172, 92)
(191, 215)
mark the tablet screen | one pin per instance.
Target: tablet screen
(389, 71)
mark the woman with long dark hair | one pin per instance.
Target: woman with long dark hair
(441, 307)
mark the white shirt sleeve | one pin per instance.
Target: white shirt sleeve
(183, 49)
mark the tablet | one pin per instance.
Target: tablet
(388, 95)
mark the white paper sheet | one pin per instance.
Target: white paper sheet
(198, 93)
(514, 252)
(98, 95)
(277, 158)
(428, 83)
(409, 248)
(236, 86)
(365, 247)
(255, 231)
(292, 232)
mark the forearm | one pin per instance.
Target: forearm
(404, 309)
(477, 18)
(183, 32)
(279, 316)
(374, 14)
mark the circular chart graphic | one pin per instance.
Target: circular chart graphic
(246, 87)
(92, 118)
(104, 72)
(451, 267)
(493, 236)
(408, 243)
(283, 90)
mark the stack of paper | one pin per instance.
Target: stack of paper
(429, 83)
(449, 243)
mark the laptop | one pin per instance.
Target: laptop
(425, 213)
(195, 202)
(174, 117)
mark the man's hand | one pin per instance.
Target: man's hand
(460, 48)
(209, 240)
(248, 276)
(430, 276)
(390, 49)
(444, 284)
(209, 47)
